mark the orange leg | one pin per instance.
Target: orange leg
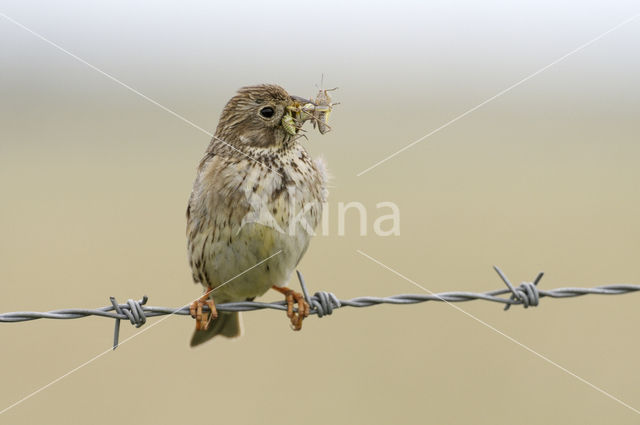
(292, 297)
(203, 318)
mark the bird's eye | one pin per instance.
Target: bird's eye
(267, 112)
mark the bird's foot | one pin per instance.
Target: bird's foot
(203, 318)
(293, 297)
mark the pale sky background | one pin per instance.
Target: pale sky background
(94, 182)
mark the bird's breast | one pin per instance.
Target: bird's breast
(258, 210)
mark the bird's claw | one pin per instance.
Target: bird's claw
(292, 297)
(203, 318)
(303, 309)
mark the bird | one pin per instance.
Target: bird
(255, 204)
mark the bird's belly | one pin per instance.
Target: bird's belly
(246, 263)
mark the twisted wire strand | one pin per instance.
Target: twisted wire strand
(324, 303)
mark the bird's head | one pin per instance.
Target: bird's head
(260, 116)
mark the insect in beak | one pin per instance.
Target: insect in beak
(293, 117)
(317, 111)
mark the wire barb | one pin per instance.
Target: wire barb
(324, 303)
(133, 311)
(527, 293)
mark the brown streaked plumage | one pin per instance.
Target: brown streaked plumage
(257, 194)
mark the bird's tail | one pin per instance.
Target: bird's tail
(227, 324)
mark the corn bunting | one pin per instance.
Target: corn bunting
(257, 195)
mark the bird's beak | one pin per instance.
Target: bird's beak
(293, 118)
(300, 107)
(300, 100)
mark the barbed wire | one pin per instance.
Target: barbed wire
(324, 303)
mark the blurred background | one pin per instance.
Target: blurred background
(94, 182)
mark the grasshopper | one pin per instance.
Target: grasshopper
(319, 109)
(290, 120)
